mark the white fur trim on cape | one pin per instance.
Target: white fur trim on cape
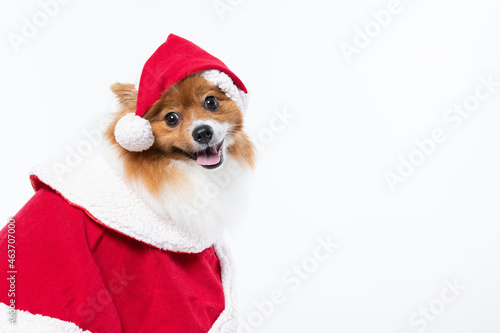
(227, 322)
(96, 185)
(134, 133)
(34, 323)
(224, 82)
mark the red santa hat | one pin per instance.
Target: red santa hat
(174, 60)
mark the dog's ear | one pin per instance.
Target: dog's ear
(127, 97)
(126, 94)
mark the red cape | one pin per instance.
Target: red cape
(74, 273)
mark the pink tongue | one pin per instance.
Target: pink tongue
(209, 156)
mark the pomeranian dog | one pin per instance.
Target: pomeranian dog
(196, 127)
(132, 239)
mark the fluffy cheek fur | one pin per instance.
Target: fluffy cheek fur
(174, 185)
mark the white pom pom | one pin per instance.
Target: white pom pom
(134, 133)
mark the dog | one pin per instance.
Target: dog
(132, 239)
(191, 136)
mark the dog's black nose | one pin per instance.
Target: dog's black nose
(203, 134)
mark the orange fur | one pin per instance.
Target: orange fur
(154, 166)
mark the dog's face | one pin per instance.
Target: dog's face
(194, 122)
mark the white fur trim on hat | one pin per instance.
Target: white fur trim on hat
(134, 133)
(224, 82)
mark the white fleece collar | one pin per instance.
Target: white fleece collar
(96, 186)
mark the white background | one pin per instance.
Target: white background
(322, 175)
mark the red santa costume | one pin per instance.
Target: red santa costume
(91, 255)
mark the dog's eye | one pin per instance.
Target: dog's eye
(172, 119)
(211, 103)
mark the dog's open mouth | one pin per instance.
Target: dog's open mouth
(210, 157)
